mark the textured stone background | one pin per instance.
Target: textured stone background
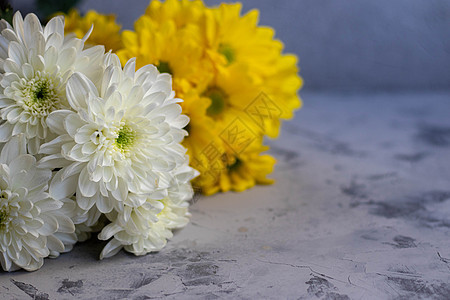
(345, 44)
(360, 210)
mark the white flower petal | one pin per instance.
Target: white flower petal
(50, 225)
(67, 58)
(121, 192)
(54, 244)
(5, 261)
(72, 123)
(111, 249)
(86, 203)
(65, 224)
(104, 204)
(55, 25)
(16, 146)
(32, 24)
(55, 121)
(130, 68)
(54, 146)
(109, 231)
(78, 89)
(62, 188)
(16, 53)
(5, 131)
(53, 161)
(22, 163)
(87, 187)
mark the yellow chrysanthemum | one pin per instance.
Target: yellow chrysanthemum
(231, 93)
(106, 31)
(236, 85)
(239, 172)
(174, 50)
(233, 39)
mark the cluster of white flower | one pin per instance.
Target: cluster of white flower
(82, 138)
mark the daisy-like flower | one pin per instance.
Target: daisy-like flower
(145, 224)
(121, 137)
(105, 32)
(32, 224)
(36, 63)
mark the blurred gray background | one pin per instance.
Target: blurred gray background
(345, 45)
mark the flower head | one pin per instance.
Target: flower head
(122, 136)
(243, 171)
(236, 42)
(32, 224)
(36, 63)
(168, 36)
(145, 225)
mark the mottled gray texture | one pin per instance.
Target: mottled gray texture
(346, 44)
(360, 210)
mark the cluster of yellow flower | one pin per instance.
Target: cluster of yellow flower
(236, 83)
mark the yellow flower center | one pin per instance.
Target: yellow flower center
(228, 52)
(126, 138)
(164, 67)
(218, 100)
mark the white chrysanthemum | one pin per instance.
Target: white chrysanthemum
(35, 64)
(87, 222)
(32, 225)
(123, 136)
(145, 227)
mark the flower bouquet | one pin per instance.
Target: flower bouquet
(114, 142)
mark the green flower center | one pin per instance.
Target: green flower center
(41, 96)
(228, 52)
(218, 100)
(164, 67)
(126, 138)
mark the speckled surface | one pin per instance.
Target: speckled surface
(360, 210)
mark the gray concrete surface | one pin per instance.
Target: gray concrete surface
(360, 210)
(346, 44)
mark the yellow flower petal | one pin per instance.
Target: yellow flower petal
(106, 31)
